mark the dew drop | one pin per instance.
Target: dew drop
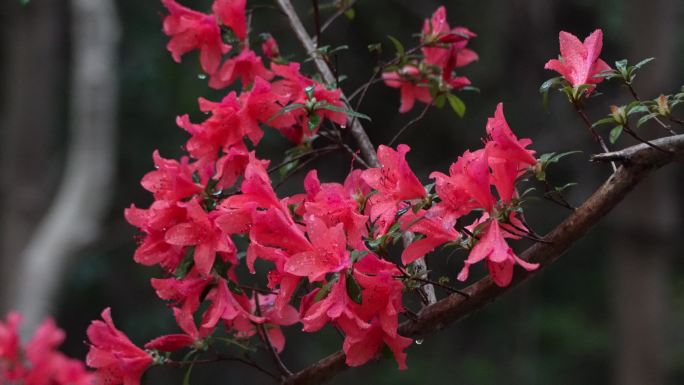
(419, 342)
(343, 126)
(201, 76)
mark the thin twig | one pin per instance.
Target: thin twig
(299, 168)
(267, 340)
(435, 283)
(410, 123)
(220, 358)
(320, 151)
(640, 139)
(337, 14)
(592, 131)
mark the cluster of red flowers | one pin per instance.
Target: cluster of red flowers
(38, 362)
(424, 76)
(334, 237)
(327, 251)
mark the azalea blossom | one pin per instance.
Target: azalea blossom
(116, 359)
(38, 362)
(395, 183)
(579, 62)
(232, 14)
(500, 258)
(189, 30)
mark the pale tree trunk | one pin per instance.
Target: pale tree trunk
(646, 225)
(31, 117)
(74, 219)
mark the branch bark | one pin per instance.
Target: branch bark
(638, 162)
(74, 219)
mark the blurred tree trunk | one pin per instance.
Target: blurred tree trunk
(33, 75)
(74, 219)
(647, 223)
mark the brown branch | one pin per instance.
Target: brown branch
(642, 160)
(359, 134)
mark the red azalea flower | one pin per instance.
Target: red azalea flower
(173, 342)
(411, 84)
(328, 254)
(366, 345)
(172, 180)
(436, 230)
(116, 358)
(579, 62)
(500, 257)
(191, 30)
(201, 232)
(395, 183)
(270, 47)
(246, 66)
(232, 14)
(507, 155)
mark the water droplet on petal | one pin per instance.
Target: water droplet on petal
(343, 126)
(419, 342)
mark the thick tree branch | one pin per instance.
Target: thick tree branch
(638, 162)
(359, 134)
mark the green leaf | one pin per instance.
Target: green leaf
(645, 119)
(323, 292)
(600, 122)
(615, 133)
(440, 101)
(186, 264)
(457, 105)
(621, 65)
(353, 289)
(357, 255)
(309, 91)
(643, 62)
(397, 46)
(544, 90)
(638, 110)
(314, 121)
(337, 49)
(327, 106)
(186, 377)
(285, 110)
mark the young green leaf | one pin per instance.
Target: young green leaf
(643, 62)
(326, 106)
(186, 377)
(600, 122)
(457, 104)
(285, 110)
(397, 46)
(353, 289)
(615, 133)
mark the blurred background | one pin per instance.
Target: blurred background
(88, 92)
